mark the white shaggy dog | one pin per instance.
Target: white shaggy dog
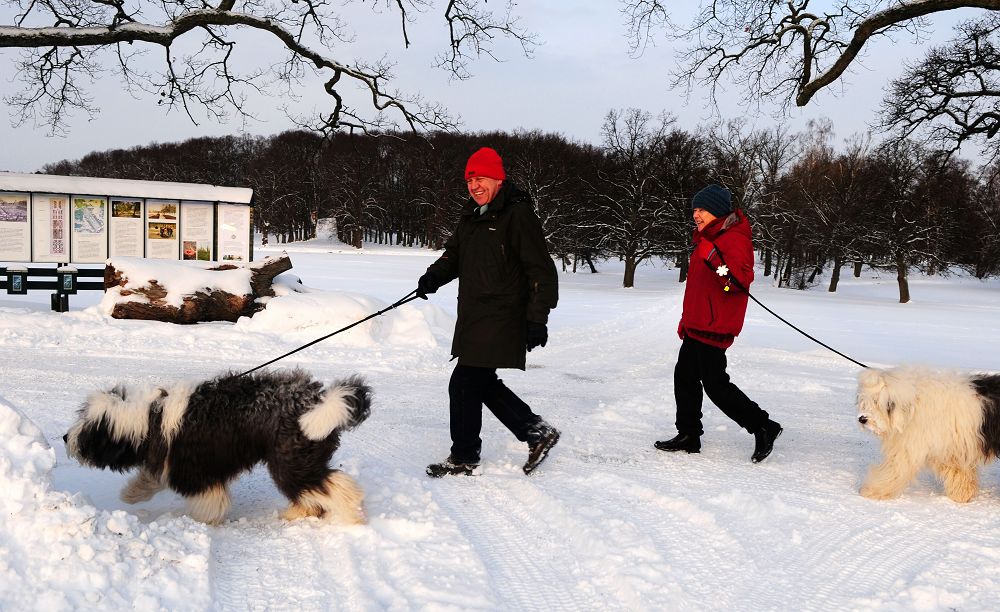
(944, 421)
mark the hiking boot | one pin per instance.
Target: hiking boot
(680, 442)
(764, 440)
(540, 441)
(450, 467)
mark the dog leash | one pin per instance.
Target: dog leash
(409, 297)
(730, 278)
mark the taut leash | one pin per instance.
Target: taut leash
(732, 279)
(409, 297)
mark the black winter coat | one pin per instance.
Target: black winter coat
(506, 277)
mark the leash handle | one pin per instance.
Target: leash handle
(732, 279)
(409, 297)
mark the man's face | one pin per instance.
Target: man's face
(483, 189)
(702, 218)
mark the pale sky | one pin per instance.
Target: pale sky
(580, 72)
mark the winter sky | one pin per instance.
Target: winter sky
(582, 70)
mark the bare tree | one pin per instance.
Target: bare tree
(778, 150)
(629, 196)
(736, 157)
(953, 94)
(981, 228)
(899, 236)
(789, 49)
(67, 43)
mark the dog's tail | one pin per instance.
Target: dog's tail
(345, 405)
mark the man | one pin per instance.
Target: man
(715, 303)
(507, 284)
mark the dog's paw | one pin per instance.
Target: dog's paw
(142, 487)
(962, 494)
(962, 499)
(295, 512)
(875, 493)
(129, 496)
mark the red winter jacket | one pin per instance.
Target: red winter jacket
(712, 313)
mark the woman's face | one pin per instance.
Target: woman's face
(702, 218)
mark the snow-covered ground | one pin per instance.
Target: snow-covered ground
(607, 523)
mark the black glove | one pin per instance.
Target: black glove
(538, 335)
(425, 285)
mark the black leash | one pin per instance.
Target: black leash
(409, 297)
(729, 277)
(855, 361)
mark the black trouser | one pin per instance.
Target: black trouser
(698, 365)
(469, 389)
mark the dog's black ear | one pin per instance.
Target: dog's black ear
(120, 458)
(99, 448)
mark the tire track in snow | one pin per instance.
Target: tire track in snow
(869, 553)
(689, 541)
(542, 554)
(514, 551)
(307, 563)
(252, 561)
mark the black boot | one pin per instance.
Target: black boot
(764, 440)
(450, 467)
(680, 442)
(541, 439)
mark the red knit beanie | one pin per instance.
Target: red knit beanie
(485, 162)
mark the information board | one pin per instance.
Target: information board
(89, 238)
(125, 237)
(197, 230)
(162, 235)
(234, 232)
(15, 227)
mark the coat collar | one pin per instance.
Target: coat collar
(721, 224)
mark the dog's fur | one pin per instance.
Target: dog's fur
(196, 438)
(944, 421)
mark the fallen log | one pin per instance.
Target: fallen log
(178, 292)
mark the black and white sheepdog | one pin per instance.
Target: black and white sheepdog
(197, 437)
(945, 421)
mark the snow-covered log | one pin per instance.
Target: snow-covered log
(176, 292)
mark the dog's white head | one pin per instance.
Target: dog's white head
(886, 400)
(112, 427)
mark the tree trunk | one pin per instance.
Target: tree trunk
(857, 269)
(904, 285)
(767, 262)
(812, 277)
(209, 305)
(630, 266)
(835, 273)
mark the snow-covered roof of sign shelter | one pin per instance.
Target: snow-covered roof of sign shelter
(85, 185)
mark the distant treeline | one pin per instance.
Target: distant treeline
(897, 205)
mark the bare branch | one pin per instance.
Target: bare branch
(472, 32)
(203, 82)
(953, 95)
(783, 48)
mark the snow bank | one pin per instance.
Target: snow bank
(299, 311)
(57, 552)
